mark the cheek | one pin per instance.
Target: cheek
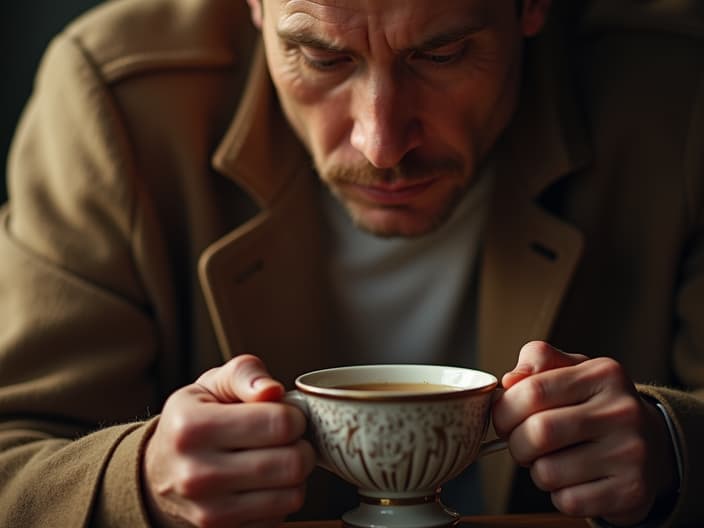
(330, 128)
(321, 120)
(317, 113)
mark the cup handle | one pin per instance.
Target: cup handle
(297, 399)
(497, 444)
(492, 446)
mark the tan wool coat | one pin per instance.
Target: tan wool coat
(163, 218)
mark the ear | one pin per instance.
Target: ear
(255, 8)
(533, 17)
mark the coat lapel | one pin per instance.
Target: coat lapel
(261, 282)
(262, 285)
(528, 261)
(527, 264)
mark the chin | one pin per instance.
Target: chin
(408, 220)
(397, 222)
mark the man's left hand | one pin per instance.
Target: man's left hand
(585, 433)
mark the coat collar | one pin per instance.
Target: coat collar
(546, 139)
(259, 151)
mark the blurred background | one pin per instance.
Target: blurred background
(26, 29)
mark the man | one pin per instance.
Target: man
(522, 190)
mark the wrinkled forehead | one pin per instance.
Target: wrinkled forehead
(400, 22)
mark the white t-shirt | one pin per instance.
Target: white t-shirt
(400, 300)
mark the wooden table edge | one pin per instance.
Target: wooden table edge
(531, 520)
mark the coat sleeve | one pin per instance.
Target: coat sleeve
(78, 343)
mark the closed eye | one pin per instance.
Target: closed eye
(323, 60)
(442, 55)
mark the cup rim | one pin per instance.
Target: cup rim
(304, 385)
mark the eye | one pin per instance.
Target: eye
(323, 60)
(444, 54)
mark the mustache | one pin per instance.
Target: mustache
(407, 170)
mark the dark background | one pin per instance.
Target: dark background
(26, 29)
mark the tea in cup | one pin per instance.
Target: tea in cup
(397, 433)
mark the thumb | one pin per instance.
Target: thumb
(539, 356)
(242, 379)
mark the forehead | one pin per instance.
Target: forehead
(399, 21)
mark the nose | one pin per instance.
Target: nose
(385, 128)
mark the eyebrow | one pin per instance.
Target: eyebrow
(449, 37)
(303, 37)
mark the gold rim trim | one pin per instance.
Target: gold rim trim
(410, 501)
(381, 396)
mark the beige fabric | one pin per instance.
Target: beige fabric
(156, 224)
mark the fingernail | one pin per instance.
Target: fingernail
(261, 383)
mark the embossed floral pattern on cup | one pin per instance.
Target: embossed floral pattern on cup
(399, 447)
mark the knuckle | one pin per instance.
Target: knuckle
(283, 425)
(544, 474)
(635, 451)
(242, 362)
(297, 466)
(625, 412)
(295, 499)
(237, 374)
(536, 392)
(567, 501)
(609, 370)
(628, 407)
(264, 466)
(182, 426)
(294, 468)
(192, 480)
(535, 350)
(539, 432)
(179, 430)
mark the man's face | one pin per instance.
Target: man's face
(398, 101)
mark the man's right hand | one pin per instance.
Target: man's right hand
(226, 453)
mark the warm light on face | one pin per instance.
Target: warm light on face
(398, 102)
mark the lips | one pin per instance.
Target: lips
(395, 193)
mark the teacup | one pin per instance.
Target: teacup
(397, 433)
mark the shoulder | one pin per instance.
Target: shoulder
(643, 60)
(641, 81)
(122, 38)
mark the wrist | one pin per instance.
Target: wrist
(150, 497)
(667, 453)
(666, 473)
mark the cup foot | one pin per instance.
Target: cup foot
(379, 515)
